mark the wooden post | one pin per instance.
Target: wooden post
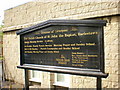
(99, 83)
(26, 80)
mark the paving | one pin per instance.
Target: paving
(10, 85)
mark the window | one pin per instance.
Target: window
(35, 76)
(62, 80)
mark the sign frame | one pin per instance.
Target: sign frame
(66, 70)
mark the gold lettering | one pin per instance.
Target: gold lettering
(39, 41)
(39, 37)
(25, 38)
(66, 44)
(41, 45)
(48, 45)
(61, 35)
(48, 40)
(61, 31)
(72, 44)
(74, 29)
(92, 55)
(74, 53)
(45, 32)
(77, 65)
(33, 41)
(28, 46)
(88, 33)
(90, 44)
(43, 48)
(66, 48)
(26, 42)
(28, 52)
(80, 44)
(75, 48)
(70, 35)
(34, 48)
(62, 62)
(56, 51)
(54, 36)
(35, 45)
(57, 45)
(59, 48)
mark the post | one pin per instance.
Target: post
(26, 80)
(99, 83)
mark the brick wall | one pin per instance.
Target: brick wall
(34, 12)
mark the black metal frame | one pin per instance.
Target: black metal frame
(62, 22)
(68, 70)
(65, 70)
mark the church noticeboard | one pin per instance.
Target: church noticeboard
(66, 46)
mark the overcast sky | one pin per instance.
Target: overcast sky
(6, 4)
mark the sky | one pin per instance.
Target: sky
(6, 4)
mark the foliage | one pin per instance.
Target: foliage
(1, 33)
(1, 43)
(1, 57)
(1, 26)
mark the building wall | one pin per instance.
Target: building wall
(11, 54)
(34, 12)
(41, 11)
(1, 34)
(111, 52)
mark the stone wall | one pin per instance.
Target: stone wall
(1, 43)
(34, 12)
(11, 53)
(41, 11)
(111, 52)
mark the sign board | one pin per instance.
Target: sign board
(65, 46)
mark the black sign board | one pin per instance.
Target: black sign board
(64, 46)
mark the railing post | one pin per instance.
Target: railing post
(99, 83)
(26, 80)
